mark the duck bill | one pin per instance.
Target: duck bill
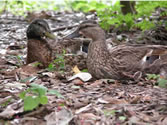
(73, 35)
(50, 35)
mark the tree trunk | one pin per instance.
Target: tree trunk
(128, 7)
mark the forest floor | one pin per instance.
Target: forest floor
(95, 102)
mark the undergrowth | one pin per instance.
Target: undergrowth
(20, 7)
(36, 95)
(110, 15)
(58, 63)
(161, 82)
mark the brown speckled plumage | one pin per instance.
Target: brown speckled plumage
(123, 61)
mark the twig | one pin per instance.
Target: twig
(14, 19)
(64, 27)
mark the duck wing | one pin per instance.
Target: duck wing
(138, 53)
(130, 59)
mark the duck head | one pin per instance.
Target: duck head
(39, 29)
(89, 29)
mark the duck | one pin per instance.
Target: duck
(44, 47)
(38, 48)
(121, 62)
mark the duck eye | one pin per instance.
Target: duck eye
(43, 34)
(38, 24)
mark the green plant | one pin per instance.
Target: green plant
(152, 76)
(20, 60)
(36, 95)
(4, 104)
(111, 15)
(58, 63)
(79, 5)
(86, 6)
(113, 113)
(145, 8)
(37, 64)
(144, 25)
(85, 70)
(51, 67)
(18, 7)
(109, 112)
(161, 81)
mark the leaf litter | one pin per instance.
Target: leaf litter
(79, 100)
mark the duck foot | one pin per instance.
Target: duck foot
(136, 76)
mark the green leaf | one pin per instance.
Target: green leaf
(162, 83)
(39, 89)
(109, 112)
(122, 118)
(4, 104)
(43, 100)
(51, 67)
(37, 64)
(31, 103)
(22, 94)
(61, 104)
(152, 76)
(55, 92)
(85, 70)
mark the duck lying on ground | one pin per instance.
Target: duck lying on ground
(43, 47)
(123, 61)
(38, 48)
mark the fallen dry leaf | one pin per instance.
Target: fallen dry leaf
(86, 108)
(76, 70)
(9, 112)
(61, 117)
(84, 76)
(112, 100)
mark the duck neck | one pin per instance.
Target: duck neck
(99, 46)
(101, 41)
(102, 45)
(97, 56)
(99, 36)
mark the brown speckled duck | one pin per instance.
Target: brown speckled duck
(123, 61)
